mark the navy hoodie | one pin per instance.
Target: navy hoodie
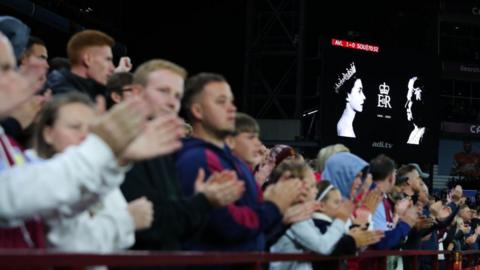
(241, 226)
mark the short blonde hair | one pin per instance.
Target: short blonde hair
(327, 152)
(141, 74)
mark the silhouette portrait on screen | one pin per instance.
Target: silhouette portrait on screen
(350, 87)
(415, 107)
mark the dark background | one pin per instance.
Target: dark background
(210, 35)
(274, 52)
(394, 67)
(199, 35)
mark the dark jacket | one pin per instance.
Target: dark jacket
(415, 236)
(14, 129)
(176, 218)
(432, 242)
(64, 81)
(455, 237)
(394, 238)
(241, 226)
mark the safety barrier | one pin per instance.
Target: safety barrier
(27, 259)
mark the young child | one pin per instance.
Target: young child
(245, 142)
(325, 232)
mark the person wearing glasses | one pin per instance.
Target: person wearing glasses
(120, 86)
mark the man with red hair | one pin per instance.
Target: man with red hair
(91, 59)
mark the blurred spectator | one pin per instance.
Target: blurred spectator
(241, 226)
(91, 60)
(382, 169)
(322, 156)
(346, 172)
(466, 162)
(245, 142)
(19, 124)
(17, 32)
(177, 218)
(108, 223)
(325, 233)
(58, 63)
(119, 87)
(276, 155)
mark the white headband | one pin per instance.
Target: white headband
(325, 192)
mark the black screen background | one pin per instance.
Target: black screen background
(395, 68)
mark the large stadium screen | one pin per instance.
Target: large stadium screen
(376, 100)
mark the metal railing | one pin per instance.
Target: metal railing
(25, 259)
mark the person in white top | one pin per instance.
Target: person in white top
(325, 232)
(107, 224)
